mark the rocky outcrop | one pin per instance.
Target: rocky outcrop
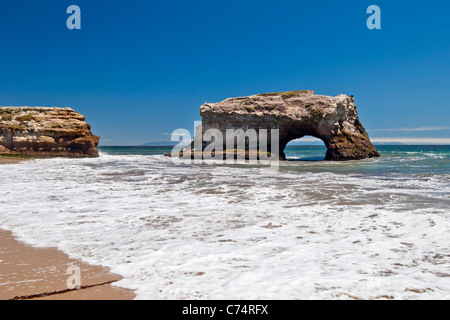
(45, 132)
(295, 114)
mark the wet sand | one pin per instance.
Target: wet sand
(12, 160)
(28, 273)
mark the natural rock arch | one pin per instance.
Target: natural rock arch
(296, 114)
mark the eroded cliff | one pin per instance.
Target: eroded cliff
(295, 114)
(45, 132)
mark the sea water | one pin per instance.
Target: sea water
(371, 229)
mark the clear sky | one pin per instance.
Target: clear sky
(140, 69)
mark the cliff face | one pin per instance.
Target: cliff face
(295, 114)
(45, 132)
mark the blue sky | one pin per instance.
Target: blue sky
(140, 69)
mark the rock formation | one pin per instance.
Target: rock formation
(295, 114)
(45, 132)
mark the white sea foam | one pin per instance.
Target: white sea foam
(189, 232)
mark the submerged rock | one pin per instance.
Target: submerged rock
(45, 132)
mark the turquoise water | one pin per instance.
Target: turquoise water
(394, 159)
(144, 151)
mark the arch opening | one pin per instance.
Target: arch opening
(305, 148)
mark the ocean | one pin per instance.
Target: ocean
(371, 229)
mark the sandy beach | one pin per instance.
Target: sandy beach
(28, 273)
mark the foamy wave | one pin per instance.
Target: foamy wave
(217, 232)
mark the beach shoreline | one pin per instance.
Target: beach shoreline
(30, 273)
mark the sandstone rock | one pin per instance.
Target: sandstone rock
(45, 132)
(334, 120)
(3, 150)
